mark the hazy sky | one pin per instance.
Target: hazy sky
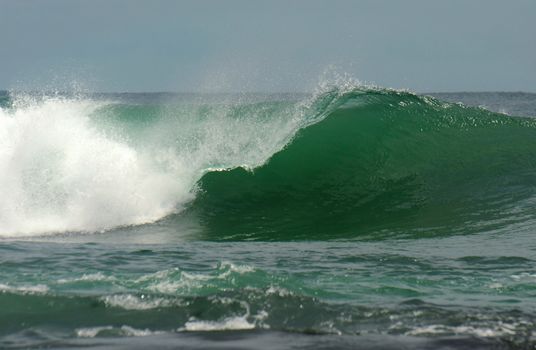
(157, 45)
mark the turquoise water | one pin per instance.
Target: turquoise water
(352, 217)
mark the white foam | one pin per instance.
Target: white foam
(174, 280)
(500, 330)
(134, 332)
(524, 277)
(282, 292)
(91, 277)
(132, 302)
(35, 289)
(92, 332)
(230, 323)
(58, 173)
(240, 269)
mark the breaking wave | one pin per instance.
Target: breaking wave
(348, 161)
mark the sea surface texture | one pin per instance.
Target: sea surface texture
(353, 217)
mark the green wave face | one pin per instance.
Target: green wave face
(381, 164)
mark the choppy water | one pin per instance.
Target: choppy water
(353, 217)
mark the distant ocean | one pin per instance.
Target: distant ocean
(352, 217)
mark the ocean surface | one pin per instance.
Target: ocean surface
(351, 217)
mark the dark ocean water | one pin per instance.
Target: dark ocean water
(350, 218)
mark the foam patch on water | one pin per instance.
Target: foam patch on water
(91, 277)
(35, 289)
(92, 332)
(279, 291)
(174, 280)
(230, 323)
(524, 277)
(230, 267)
(142, 302)
(500, 330)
